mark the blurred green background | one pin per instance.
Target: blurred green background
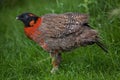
(22, 59)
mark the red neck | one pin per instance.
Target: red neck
(30, 30)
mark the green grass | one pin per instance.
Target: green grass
(22, 59)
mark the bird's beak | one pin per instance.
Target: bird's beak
(17, 18)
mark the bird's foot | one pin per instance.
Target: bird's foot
(54, 70)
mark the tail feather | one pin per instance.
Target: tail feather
(102, 46)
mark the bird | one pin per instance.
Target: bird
(57, 33)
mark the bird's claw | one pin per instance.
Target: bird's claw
(54, 70)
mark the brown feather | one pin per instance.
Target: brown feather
(66, 31)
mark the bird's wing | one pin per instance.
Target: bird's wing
(61, 25)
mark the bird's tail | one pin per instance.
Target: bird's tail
(102, 46)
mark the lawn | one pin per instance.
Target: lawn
(22, 59)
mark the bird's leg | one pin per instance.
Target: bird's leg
(56, 58)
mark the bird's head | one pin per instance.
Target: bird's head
(29, 19)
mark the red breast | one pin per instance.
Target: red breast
(33, 33)
(29, 31)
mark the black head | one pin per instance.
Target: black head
(26, 18)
